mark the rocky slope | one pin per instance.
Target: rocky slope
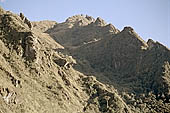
(119, 58)
(91, 67)
(35, 77)
(43, 26)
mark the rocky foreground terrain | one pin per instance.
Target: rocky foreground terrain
(82, 65)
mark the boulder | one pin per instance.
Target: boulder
(26, 21)
(22, 16)
(100, 22)
(150, 43)
(112, 29)
(61, 62)
(31, 48)
(90, 18)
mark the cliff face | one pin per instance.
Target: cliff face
(82, 65)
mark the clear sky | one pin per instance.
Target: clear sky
(149, 18)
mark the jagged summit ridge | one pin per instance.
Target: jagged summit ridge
(83, 20)
(80, 20)
(128, 29)
(100, 22)
(81, 30)
(129, 32)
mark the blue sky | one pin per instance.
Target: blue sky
(149, 18)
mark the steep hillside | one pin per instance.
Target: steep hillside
(36, 78)
(125, 58)
(82, 65)
(120, 58)
(43, 26)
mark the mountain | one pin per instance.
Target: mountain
(43, 26)
(82, 65)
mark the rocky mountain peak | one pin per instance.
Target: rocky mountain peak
(1, 10)
(129, 32)
(155, 44)
(90, 18)
(100, 22)
(151, 43)
(80, 20)
(128, 29)
(112, 28)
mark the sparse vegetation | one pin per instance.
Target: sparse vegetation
(82, 65)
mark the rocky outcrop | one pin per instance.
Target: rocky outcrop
(42, 26)
(150, 43)
(1, 11)
(9, 97)
(90, 18)
(108, 102)
(65, 62)
(26, 21)
(111, 28)
(31, 48)
(99, 22)
(80, 20)
(81, 30)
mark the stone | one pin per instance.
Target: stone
(61, 62)
(22, 16)
(26, 21)
(31, 49)
(7, 95)
(111, 28)
(99, 22)
(1, 10)
(90, 18)
(128, 28)
(150, 43)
